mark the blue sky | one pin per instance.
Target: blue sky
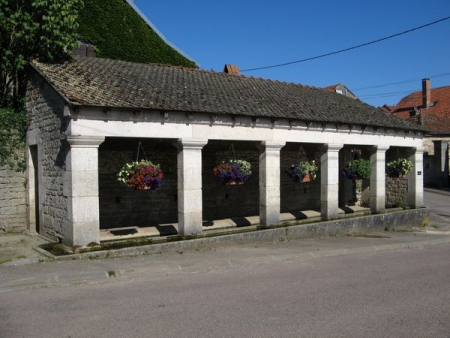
(255, 33)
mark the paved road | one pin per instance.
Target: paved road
(386, 285)
(439, 203)
(392, 286)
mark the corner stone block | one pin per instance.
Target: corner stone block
(81, 233)
(83, 209)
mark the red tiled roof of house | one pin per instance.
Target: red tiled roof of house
(436, 117)
(332, 88)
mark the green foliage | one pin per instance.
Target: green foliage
(358, 168)
(299, 170)
(12, 137)
(29, 29)
(32, 29)
(118, 32)
(398, 168)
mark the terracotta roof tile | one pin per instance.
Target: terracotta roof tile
(435, 118)
(120, 84)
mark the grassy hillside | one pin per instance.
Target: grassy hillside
(118, 32)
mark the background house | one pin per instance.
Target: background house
(430, 108)
(341, 89)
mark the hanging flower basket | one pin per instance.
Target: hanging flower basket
(357, 169)
(303, 172)
(398, 168)
(233, 172)
(143, 175)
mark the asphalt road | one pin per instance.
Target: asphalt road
(386, 285)
(438, 202)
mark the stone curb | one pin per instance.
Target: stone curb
(400, 220)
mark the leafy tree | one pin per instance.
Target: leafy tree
(32, 29)
(29, 29)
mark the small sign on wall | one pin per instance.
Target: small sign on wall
(419, 173)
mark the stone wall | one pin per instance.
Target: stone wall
(121, 206)
(396, 191)
(46, 136)
(13, 210)
(429, 145)
(222, 201)
(297, 196)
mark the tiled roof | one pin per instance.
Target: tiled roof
(437, 123)
(119, 84)
(435, 118)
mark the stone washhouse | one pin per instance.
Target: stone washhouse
(90, 116)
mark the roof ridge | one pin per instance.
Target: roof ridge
(212, 72)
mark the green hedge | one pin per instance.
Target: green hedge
(118, 32)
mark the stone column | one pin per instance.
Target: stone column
(269, 183)
(329, 172)
(447, 166)
(415, 178)
(440, 172)
(378, 178)
(190, 207)
(81, 188)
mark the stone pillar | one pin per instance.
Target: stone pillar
(190, 208)
(440, 174)
(81, 188)
(329, 172)
(269, 183)
(378, 178)
(415, 178)
(447, 166)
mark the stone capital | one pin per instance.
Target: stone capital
(332, 147)
(81, 141)
(191, 143)
(380, 148)
(271, 145)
